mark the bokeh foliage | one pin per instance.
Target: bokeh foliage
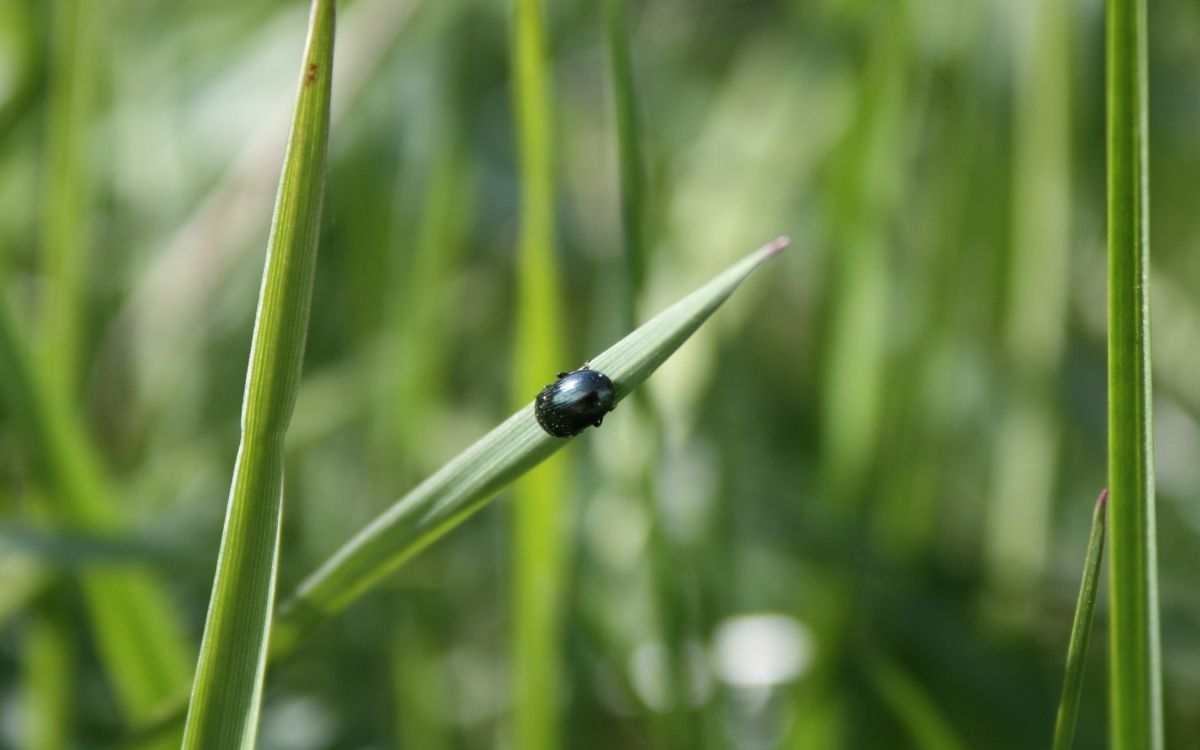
(891, 442)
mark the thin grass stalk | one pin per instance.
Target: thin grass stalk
(51, 660)
(862, 201)
(224, 707)
(1081, 629)
(631, 164)
(538, 540)
(1135, 690)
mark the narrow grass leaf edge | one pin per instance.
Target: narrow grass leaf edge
(1081, 629)
(469, 481)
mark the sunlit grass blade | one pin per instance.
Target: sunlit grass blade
(1081, 629)
(1135, 678)
(538, 543)
(465, 484)
(229, 676)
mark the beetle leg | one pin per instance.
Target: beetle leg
(598, 421)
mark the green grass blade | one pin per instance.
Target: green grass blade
(1135, 690)
(1081, 629)
(225, 697)
(65, 199)
(863, 195)
(465, 484)
(538, 543)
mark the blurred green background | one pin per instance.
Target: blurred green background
(851, 513)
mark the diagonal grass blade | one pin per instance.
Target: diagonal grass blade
(465, 484)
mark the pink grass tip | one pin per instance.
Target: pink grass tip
(777, 245)
(1102, 501)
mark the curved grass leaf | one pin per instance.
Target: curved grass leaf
(1135, 680)
(229, 676)
(464, 485)
(1081, 629)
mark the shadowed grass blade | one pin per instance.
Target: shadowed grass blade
(65, 220)
(137, 634)
(632, 169)
(676, 725)
(918, 712)
(51, 671)
(229, 676)
(1081, 629)
(1135, 690)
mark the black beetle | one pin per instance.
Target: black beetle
(577, 399)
